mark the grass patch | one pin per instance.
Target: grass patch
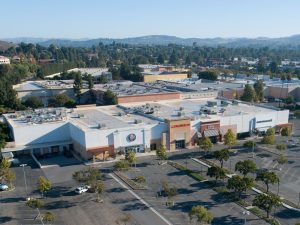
(130, 182)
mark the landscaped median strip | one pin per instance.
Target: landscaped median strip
(189, 172)
(255, 189)
(129, 182)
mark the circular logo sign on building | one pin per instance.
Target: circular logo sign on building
(131, 137)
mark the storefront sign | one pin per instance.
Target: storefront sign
(131, 137)
(180, 125)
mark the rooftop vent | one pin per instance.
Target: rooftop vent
(137, 121)
(101, 125)
(180, 113)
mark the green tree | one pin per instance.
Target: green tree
(281, 160)
(48, 217)
(130, 156)
(90, 81)
(98, 187)
(249, 94)
(169, 191)
(259, 90)
(173, 58)
(122, 165)
(200, 214)
(266, 202)
(245, 167)
(222, 155)
(290, 100)
(88, 176)
(269, 137)
(216, 172)
(267, 177)
(140, 179)
(205, 144)
(229, 138)
(249, 144)
(61, 100)
(273, 66)
(208, 75)
(160, 59)
(40, 73)
(161, 153)
(9, 176)
(240, 184)
(109, 98)
(33, 102)
(286, 131)
(281, 147)
(77, 86)
(44, 184)
(5, 164)
(34, 203)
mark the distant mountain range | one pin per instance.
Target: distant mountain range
(291, 41)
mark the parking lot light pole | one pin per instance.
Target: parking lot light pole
(245, 213)
(23, 165)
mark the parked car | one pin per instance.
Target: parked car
(3, 187)
(82, 189)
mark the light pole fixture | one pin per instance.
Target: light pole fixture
(23, 165)
(245, 213)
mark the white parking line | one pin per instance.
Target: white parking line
(141, 200)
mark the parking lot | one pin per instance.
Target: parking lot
(190, 193)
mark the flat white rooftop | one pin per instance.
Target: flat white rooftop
(190, 108)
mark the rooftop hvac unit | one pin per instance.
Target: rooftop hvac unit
(137, 121)
(80, 115)
(121, 114)
(101, 125)
(180, 113)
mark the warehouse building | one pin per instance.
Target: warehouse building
(97, 132)
(45, 89)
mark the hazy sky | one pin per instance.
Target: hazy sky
(130, 18)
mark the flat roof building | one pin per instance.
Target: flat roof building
(45, 89)
(95, 132)
(4, 60)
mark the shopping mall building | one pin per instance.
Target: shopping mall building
(106, 130)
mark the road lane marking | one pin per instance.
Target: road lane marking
(141, 200)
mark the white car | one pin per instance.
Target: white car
(3, 187)
(82, 189)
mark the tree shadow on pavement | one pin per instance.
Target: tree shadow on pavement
(5, 219)
(11, 200)
(135, 206)
(59, 205)
(184, 191)
(264, 155)
(118, 190)
(59, 191)
(287, 214)
(144, 164)
(122, 201)
(186, 206)
(226, 220)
